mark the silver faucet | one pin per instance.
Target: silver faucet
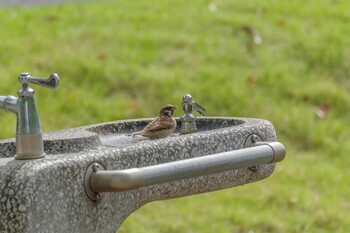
(188, 120)
(29, 142)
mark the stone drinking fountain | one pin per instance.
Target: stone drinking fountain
(91, 178)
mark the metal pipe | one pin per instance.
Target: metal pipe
(9, 103)
(29, 141)
(129, 179)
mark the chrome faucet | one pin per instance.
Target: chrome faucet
(188, 120)
(29, 142)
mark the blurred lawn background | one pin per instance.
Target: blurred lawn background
(287, 62)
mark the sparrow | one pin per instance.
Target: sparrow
(160, 127)
(188, 104)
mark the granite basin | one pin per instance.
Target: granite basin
(48, 194)
(112, 134)
(58, 142)
(115, 134)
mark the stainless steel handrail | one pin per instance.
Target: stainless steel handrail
(99, 180)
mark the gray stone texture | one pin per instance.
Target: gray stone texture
(47, 195)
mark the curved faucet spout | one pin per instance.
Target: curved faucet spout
(9, 103)
(29, 142)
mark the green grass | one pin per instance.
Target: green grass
(124, 59)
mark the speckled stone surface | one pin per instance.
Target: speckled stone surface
(47, 195)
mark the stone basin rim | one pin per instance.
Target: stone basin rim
(138, 124)
(88, 137)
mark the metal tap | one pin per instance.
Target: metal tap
(188, 120)
(29, 142)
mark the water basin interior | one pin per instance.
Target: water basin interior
(116, 134)
(111, 134)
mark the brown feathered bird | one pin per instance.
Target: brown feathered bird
(160, 127)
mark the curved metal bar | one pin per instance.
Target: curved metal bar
(129, 179)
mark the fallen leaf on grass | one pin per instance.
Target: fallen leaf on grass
(212, 7)
(133, 104)
(101, 56)
(294, 200)
(281, 22)
(51, 18)
(251, 80)
(254, 35)
(322, 110)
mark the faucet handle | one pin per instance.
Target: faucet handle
(51, 82)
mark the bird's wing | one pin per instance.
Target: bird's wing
(156, 125)
(136, 133)
(199, 108)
